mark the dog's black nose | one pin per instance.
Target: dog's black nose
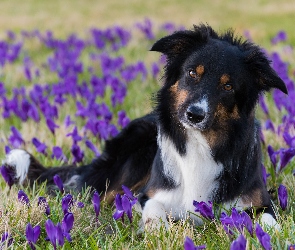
(195, 114)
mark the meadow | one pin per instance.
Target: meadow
(73, 73)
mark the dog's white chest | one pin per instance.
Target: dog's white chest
(194, 173)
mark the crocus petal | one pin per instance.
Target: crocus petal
(37, 231)
(67, 222)
(58, 182)
(43, 202)
(51, 232)
(118, 214)
(22, 197)
(283, 196)
(66, 203)
(239, 243)
(96, 203)
(59, 235)
(189, 244)
(128, 192)
(80, 204)
(29, 232)
(204, 209)
(8, 175)
(127, 207)
(247, 222)
(263, 237)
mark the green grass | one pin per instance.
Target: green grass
(262, 18)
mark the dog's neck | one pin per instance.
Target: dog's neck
(197, 162)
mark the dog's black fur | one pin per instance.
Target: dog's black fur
(212, 83)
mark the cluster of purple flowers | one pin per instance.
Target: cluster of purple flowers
(57, 233)
(124, 204)
(67, 65)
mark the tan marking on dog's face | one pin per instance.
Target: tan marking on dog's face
(180, 95)
(213, 137)
(224, 79)
(253, 199)
(223, 115)
(200, 70)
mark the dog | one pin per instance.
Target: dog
(201, 142)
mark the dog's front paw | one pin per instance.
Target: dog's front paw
(269, 221)
(16, 166)
(154, 216)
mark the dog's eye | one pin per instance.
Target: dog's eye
(227, 87)
(192, 74)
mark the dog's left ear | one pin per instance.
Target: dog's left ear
(267, 77)
(175, 44)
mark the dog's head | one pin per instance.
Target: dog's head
(212, 78)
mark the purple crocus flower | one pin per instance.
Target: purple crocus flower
(204, 209)
(283, 196)
(263, 237)
(51, 125)
(281, 36)
(119, 213)
(123, 120)
(58, 154)
(41, 147)
(77, 153)
(189, 244)
(286, 155)
(124, 205)
(96, 203)
(155, 70)
(272, 155)
(236, 220)
(6, 240)
(7, 149)
(90, 145)
(54, 233)
(22, 197)
(67, 225)
(68, 121)
(291, 247)
(80, 204)
(16, 138)
(58, 182)
(32, 235)
(43, 202)
(146, 28)
(66, 203)
(127, 207)
(8, 175)
(75, 136)
(269, 125)
(129, 194)
(264, 174)
(239, 243)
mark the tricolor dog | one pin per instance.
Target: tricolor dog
(201, 142)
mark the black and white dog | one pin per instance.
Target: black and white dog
(202, 141)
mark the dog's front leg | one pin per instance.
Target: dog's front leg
(153, 215)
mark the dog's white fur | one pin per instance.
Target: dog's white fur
(194, 175)
(20, 160)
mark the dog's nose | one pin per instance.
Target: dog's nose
(195, 114)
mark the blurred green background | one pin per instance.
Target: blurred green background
(263, 18)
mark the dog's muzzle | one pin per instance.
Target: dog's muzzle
(195, 114)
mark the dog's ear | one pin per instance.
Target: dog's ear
(267, 77)
(184, 41)
(175, 44)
